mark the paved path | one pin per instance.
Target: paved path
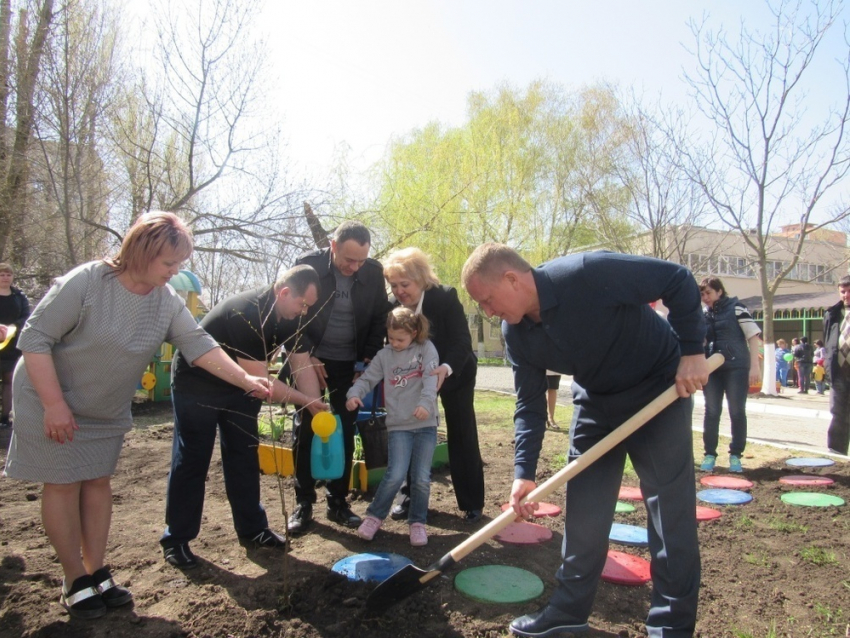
(790, 420)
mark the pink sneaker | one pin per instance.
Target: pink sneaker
(368, 527)
(418, 535)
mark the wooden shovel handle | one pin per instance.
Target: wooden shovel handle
(561, 477)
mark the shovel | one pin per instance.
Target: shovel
(410, 579)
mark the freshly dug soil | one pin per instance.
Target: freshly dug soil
(769, 569)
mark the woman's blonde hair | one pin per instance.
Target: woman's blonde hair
(782, 343)
(146, 240)
(411, 263)
(401, 318)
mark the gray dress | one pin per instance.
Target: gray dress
(101, 337)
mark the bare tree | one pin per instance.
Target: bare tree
(28, 48)
(763, 166)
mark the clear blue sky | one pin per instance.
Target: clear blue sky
(357, 73)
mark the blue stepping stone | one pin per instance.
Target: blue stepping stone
(629, 535)
(810, 462)
(724, 497)
(371, 567)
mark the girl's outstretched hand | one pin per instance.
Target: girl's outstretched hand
(353, 404)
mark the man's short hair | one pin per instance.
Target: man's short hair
(298, 279)
(490, 261)
(844, 281)
(352, 230)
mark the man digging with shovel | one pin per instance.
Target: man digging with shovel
(588, 316)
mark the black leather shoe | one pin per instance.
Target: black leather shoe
(399, 512)
(180, 556)
(111, 594)
(549, 621)
(300, 520)
(266, 538)
(472, 516)
(342, 514)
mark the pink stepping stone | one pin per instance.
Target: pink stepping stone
(544, 509)
(726, 482)
(707, 513)
(625, 569)
(806, 479)
(631, 494)
(523, 533)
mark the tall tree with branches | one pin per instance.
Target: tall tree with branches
(764, 164)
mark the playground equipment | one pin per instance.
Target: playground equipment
(157, 379)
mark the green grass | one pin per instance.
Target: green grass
(760, 558)
(788, 528)
(828, 614)
(818, 556)
(270, 426)
(744, 522)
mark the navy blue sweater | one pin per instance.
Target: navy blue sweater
(597, 325)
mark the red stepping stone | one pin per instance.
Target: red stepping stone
(523, 533)
(707, 513)
(631, 494)
(625, 569)
(726, 482)
(543, 509)
(806, 479)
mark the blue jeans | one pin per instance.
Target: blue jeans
(734, 384)
(413, 450)
(197, 418)
(782, 375)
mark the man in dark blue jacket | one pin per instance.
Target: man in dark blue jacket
(344, 330)
(836, 336)
(588, 316)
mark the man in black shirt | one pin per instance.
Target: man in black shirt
(251, 327)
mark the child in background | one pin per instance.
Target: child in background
(819, 374)
(410, 397)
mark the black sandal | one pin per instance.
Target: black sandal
(83, 599)
(110, 592)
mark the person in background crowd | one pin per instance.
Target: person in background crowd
(553, 382)
(836, 335)
(782, 363)
(14, 310)
(804, 358)
(731, 331)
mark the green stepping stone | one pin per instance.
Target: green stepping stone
(498, 584)
(811, 499)
(624, 508)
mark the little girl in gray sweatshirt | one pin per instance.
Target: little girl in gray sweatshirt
(410, 396)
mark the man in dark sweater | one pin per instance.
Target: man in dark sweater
(588, 316)
(345, 329)
(836, 336)
(251, 327)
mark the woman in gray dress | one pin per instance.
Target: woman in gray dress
(85, 347)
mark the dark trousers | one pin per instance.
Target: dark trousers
(805, 370)
(662, 454)
(838, 435)
(340, 378)
(197, 416)
(735, 384)
(465, 464)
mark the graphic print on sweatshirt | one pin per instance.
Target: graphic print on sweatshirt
(411, 370)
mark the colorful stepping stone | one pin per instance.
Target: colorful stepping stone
(543, 509)
(498, 584)
(812, 499)
(370, 567)
(721, 496)
(624, 508)
(707, 513)
(625, 569)
(809, 462)
(631, 535)
(524, 533)
(630, 493)
(725, 481)
(806, 479)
